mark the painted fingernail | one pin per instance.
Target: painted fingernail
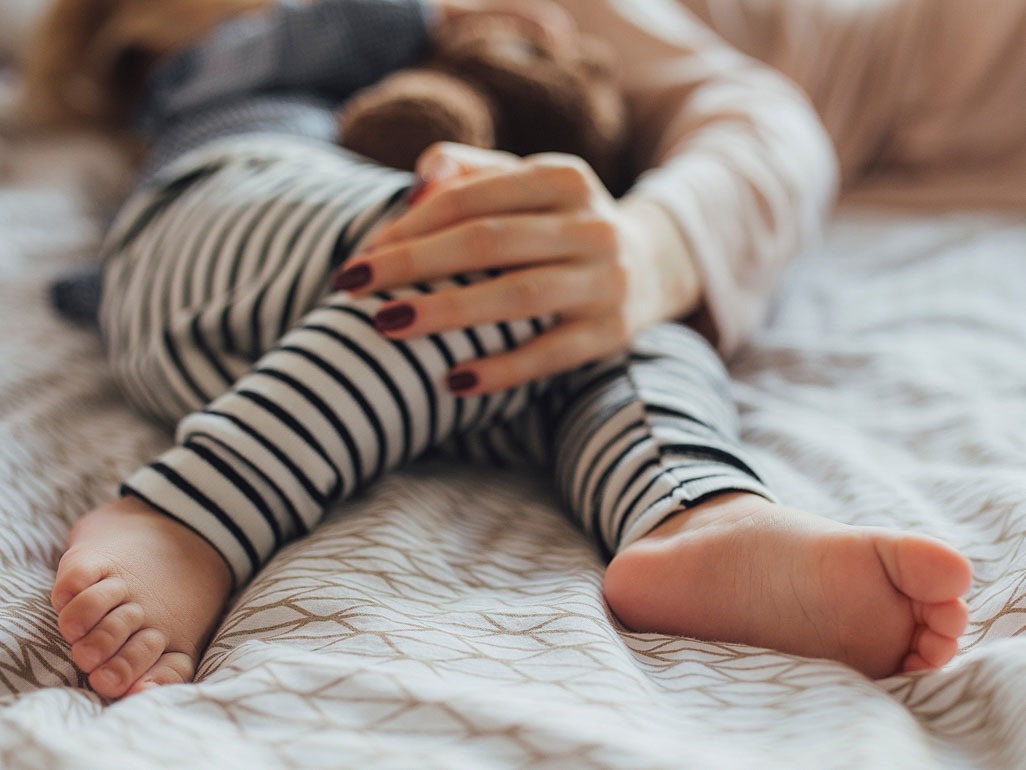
(395, 317)
(416, 191)
(353, 278)
(461, 381)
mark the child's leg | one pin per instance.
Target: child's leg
(646, 456)
(206, 278)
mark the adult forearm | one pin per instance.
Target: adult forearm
(733, 151)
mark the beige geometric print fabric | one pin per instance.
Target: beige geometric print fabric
(452, 617)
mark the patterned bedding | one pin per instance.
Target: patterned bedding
(452, 617)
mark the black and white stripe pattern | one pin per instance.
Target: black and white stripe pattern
(217, 315)
(632, 438)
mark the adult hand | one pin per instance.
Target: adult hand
(607, 269)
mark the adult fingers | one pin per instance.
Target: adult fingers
(570, 289)
(445, 160)
(524, 187)
(485, 242)
(566, 346)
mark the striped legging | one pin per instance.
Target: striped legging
(218, 317)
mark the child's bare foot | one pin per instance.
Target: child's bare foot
(741, 569)
(138, 595)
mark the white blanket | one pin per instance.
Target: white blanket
(452, 617)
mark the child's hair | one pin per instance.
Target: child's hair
(88, 58)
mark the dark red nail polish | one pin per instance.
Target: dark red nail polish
(395, 317)
(352, 278)
(461, 380)
(416, 191)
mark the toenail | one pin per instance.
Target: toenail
(75, 630)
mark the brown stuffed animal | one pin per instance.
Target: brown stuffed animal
(494, 83)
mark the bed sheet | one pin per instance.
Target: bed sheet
(452, 617)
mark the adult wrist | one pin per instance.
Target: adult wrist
(676, 279)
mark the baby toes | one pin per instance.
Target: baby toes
(141, 651)
(74, 575)
(925, 569)
(90, 606)
(108, 636)
(933, 648)
(171, 668)
(913, 662)
(947, 618)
